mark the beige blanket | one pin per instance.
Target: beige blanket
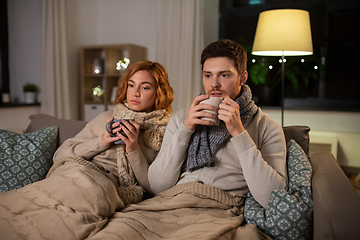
(77, 201)
(74, 201)
(186, 211)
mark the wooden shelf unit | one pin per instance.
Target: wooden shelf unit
(107, 56)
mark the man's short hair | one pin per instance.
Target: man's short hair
(226, 48)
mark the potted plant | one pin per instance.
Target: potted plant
(30, 92)
(98, 94)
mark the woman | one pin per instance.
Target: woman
(92, 177)
(144, 96)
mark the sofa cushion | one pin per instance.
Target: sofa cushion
(300, 134)
(27, 158)
(290, 213)
(67, 128)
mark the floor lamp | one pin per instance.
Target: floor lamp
(283, 32)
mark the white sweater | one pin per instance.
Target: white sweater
(254, 159)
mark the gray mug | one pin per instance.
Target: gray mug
(109, 129)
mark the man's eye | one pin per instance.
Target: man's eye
(207, 75)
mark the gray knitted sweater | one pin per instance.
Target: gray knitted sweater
(254, 160)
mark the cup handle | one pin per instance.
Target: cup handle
(108, 127)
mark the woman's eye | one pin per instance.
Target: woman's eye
(225, 75)
(130, 85)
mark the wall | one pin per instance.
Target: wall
(24, 23)
(118, 21)
(338, 132)
(89, 22)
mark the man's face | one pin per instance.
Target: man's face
(220, 77)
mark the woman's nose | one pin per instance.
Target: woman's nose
(136, 93)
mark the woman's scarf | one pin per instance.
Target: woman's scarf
(154, 124)
(206, 139)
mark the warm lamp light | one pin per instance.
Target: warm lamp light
(283, 32)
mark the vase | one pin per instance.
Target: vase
(30, 97)
(97, 98)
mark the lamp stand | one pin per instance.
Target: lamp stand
(282, 87)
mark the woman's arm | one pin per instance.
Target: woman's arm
(86, 143)
(140, 166)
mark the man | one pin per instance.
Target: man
(247, 151)
(202, 173)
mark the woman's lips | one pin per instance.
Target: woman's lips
(134, 102)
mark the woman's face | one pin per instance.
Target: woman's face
(141, 91)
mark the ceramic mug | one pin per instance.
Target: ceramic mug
(214, 101)
(109, 129)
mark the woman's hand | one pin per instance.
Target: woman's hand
(196, 112)
(229, 112)
(132, 132)
(107, 139)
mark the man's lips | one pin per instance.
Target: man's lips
(216, 94)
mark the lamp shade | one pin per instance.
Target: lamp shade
(283, 32)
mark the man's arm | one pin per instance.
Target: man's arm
(165, 171)
(264, 167)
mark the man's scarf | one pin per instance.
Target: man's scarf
(154, 124)
(206, 139)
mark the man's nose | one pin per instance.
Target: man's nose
(215, 83)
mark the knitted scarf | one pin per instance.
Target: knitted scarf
(206, 139)
(154, 125)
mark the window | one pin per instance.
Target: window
(336, 43)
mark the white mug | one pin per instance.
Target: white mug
(215, 101)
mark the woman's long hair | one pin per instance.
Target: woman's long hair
(164, 92)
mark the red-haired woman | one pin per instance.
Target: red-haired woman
(144, 95)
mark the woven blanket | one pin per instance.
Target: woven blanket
(74, 202)
(77, 201)
(186, 211)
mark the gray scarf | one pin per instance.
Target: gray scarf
(206, 139)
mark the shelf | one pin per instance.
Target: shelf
(8, 105)
(106, 57)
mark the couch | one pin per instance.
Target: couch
(336, 204)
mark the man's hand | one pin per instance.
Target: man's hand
(229, 112)
(196, 112)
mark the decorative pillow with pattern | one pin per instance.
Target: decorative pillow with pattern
(27, 158)
(290, 213)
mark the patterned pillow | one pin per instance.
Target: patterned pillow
(27, 158)
(290, 213)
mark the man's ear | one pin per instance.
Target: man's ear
(243, 77)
